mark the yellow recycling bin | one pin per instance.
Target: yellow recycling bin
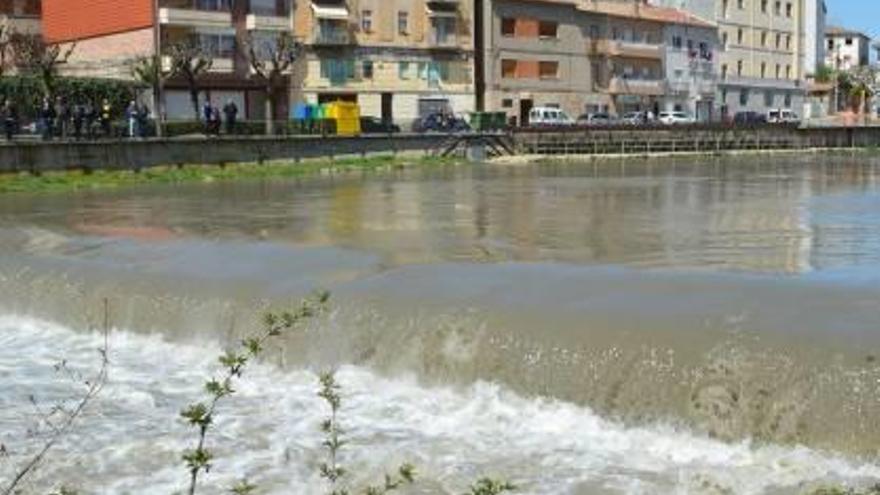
(347, 116)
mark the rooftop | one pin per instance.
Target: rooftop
(840, 31)
(646, 12)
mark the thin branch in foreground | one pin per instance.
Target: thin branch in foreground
(69, 417)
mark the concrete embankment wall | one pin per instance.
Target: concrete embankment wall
(39, 157)
(137, 154)
(691, 139)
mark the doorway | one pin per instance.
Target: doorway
(387, 108)
(525, 106)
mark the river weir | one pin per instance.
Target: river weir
(686, 325)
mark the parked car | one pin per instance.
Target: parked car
(375, 125)
(549, 116)
(749, 118)
(595, 119)
(782, 116)
(440, 122)
(673, 118)
(634, 118)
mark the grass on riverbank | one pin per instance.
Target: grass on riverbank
(75, 180)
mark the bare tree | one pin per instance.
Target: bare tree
(37, 57)
(271, 60)
(150, 70)
(191, 62)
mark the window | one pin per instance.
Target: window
(763, 38)
(724, 71)
(507, 103)
(739, 36)
(676, 42)
(366, 21)
(778, 7)
(724, 96)
(336, 69)
(788, 42)
(212, 4)
(548, 70)
(508, 26)
(788, 72)
(547, 29)
(763, 70)
(217, 45)
(848, 42)
(594, 31)
(778, 71)
(402, 22)
(788, 9)
(768, 99)
(403, 70)
(787, 100)
(508, 69)
(740, 4)
(367, 69)
(764, 4)
(724, 9)
(831, 44)
(724, 39)
(778, 40)
(739, 67)
(744, 97)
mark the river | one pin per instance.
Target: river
(689, 325)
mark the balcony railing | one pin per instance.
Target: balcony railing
(442, 40)
(191, 17)
(258, 22)
(618, 48)
(336, 36)
(218, 65)
(643, 87)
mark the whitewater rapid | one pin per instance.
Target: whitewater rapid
(132, 437)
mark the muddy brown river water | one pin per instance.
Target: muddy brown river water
(700, 325)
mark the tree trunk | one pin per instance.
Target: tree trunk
(157, 109)
(270, 111)
(194, 97)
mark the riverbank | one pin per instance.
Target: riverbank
(74, 180)
(534, 158)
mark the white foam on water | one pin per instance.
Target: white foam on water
(132, 437)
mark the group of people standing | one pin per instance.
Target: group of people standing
(212, 120)
(60, 119)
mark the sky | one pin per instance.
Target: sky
(861, 15)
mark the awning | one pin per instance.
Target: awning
(330, 12)
(441, 12)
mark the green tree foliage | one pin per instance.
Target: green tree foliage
(26, 94)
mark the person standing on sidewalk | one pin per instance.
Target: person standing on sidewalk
(10, 120)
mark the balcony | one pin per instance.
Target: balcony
(685, 87)
(641, 87)
(618, 48)
(331, 36)
(259, 22)
(442, 40)
(218, 66)
(192, 17)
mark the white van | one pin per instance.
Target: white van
(549, 116)
(782, 116)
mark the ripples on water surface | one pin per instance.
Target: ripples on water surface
(745, 311)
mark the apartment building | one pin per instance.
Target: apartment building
(762, 60)
(846, 49)
(398, 59)
(109, 35)
(815, 15)
(589, 56)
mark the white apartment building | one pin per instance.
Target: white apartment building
(762, 56)
(691, 65)
(846, 49)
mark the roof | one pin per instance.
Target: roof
(646, 12)
(840, 31)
